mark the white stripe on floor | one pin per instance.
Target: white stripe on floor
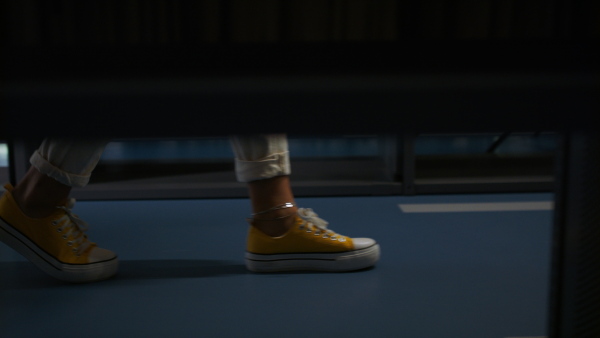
(477, 207)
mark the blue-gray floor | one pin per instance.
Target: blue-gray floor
(459, 274)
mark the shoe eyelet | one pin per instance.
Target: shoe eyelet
(59, 230)
(70, 243)
(342, 239)
(333, 238)
(325, 236)
(65, 237)
(308, 230)
(54, 222)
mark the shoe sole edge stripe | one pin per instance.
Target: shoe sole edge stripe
(371, 247)
(57, 269)
(336, 262)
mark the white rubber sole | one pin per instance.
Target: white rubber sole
(75, 273)
(333, 262)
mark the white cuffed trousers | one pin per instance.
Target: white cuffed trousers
(71, 162)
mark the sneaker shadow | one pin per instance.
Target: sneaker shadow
(24, 275)
(310, 272)
(177, 268)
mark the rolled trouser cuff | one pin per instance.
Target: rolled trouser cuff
(277, 164)
(68, 161)
(45, 167)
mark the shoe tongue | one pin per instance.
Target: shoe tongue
(309, 216)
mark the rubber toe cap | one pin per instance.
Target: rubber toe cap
(100, 255)
(362, 243)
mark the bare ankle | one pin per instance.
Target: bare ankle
(38, 195)
(275, 227)
(31, 209)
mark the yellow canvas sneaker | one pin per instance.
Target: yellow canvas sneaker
(309, 246)
(56, 244)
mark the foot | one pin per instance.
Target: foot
(308, 246)
(57, 244)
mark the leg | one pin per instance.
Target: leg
(57, 166)
(283, 237)
(36, 218)
(267, 193)
(38, 195)
(262, 161)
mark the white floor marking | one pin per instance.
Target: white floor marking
(476, 207)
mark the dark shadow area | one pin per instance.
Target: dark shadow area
(484, 165)
(136, 170)
(316, 272)
(24, 275)
(177, 268)
(4, 174)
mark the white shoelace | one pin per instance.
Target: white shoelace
(73, 226)
(313, 219)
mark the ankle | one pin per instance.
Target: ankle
(31, 208)
(275, 221)
(38, 195)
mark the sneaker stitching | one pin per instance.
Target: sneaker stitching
(37, 247)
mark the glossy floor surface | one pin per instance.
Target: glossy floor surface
(441, 274)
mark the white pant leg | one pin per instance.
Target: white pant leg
(70, 162)
(259, 157)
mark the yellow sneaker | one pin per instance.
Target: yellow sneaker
(309, 246)
(57, 244)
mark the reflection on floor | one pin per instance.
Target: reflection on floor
(458, 274)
